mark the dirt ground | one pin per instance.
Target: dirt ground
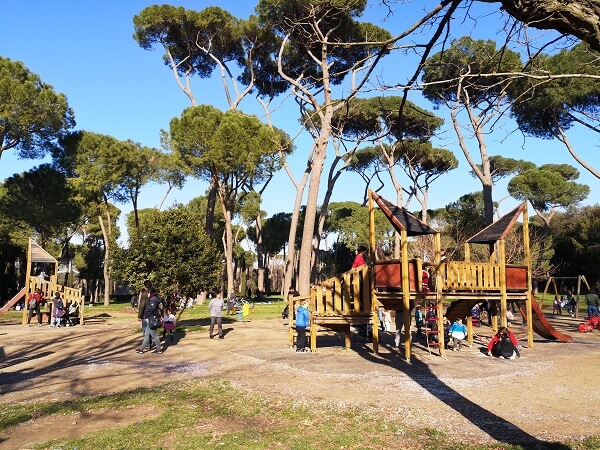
(549, 394)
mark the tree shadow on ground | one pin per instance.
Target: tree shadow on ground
(496, 427)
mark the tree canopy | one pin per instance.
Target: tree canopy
(32, 115)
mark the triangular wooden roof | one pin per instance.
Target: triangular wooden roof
(401, 219)
(39, 255)
(499, 229)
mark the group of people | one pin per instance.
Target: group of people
(155, 313)
(60, 314)
(503, 344)
(568, 303)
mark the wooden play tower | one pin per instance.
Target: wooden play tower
(37, 256)
(354, 297)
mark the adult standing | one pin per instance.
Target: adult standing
(143, 299)
(153, 312)
(593, 303)
(33, 304)
(215, 306)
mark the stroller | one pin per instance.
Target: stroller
(364, 331)
(169, 322)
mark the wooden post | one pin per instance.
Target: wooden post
(578, 294)
(502, 257)
(28, 292)
(467, 252)
(470, 329)
(420, 275)
(438, 289)
(291, 319)
(372, 251)
(527, 258)
(406, 294)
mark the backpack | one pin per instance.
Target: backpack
(32, 302)
(504, 347)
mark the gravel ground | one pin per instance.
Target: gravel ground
(544, 396)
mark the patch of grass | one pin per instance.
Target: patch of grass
(212, 414)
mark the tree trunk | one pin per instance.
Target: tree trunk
(105, 271)
(290, 265)
(304, 275)
(228, 244)
(488, 203)
(211, 201)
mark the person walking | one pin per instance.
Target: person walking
(152, 318)
(143, 298)
(215, 306)
(593, 303)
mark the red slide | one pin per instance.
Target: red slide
(541, 326)
(13, 300)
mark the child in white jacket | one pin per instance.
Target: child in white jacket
(458, 332)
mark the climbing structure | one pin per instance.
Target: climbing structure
(397, 284)
(38, 257)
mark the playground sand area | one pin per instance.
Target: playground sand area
(550, 394)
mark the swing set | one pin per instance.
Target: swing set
(552, 281)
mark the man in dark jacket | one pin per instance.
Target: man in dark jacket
(593, 303)
(142, 303)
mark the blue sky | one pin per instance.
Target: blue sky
(85, 50)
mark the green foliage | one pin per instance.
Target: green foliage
(461, 65)
(576, 234)
(459, 221)
(382, 116)
(231, 146)
(501, 167)
(542, 107)
(275, 233)
(42, 200)
(172, 250)
(548, 187)
(350, 221)
(303, 21)
(32, 115)
(183, 32)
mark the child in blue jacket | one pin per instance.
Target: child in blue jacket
(458, 332)
(301, 323)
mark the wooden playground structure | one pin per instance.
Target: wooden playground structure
(354, 297)
(36, 255)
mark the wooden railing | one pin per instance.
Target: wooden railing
(346, 294)
(469, 276)
(49, 289)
